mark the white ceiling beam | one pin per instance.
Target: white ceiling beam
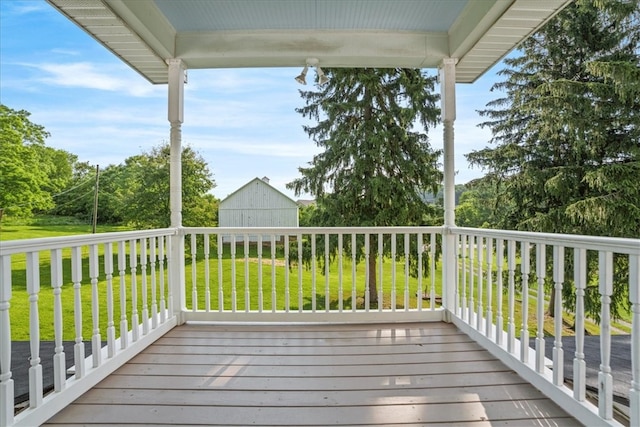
(291, 48)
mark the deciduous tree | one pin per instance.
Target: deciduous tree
(23, 177)
(146, 202)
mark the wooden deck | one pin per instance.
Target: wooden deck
(314, 375)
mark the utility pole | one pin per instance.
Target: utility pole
(95, 201)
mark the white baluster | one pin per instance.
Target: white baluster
(133, 266)
(59, 362)
(480, 309)
(456, 288)
(471, 279)
(207, 275)
(558, 279)
(108, 271)
(419, 248)
(511, 267)
(463, 303)
(260, 290)
(144, 287)
(247, 292)
(6, 382)
(313, 273)
(380, 272)
(541, 272)
(300, 295)
(489, 258)
(634, 298)
(234, 292)
(327, 297)
(154, 288)
(367, 279)
(169, 274)
(272, 249)
(605, 379)
(220, 288)
(354, 291)
(122, 267)
(432, 272)
(499, 290)
(525, 269)
(340, 285)
(393, 271)
(35, 371)
(194, 272)
(287, 275)
(163, 306)
(407, 244)
(96, 339)
(579, 364)
(76, 278)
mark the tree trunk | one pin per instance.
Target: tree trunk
(373, 289)
(552, 303)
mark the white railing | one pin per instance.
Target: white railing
(122, 300)
(308, 274)
(502, 276)
(132, 287)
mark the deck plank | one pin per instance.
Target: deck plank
(313, 359)
(314, 375)
(309, 371)
(314, 416)
(375, 397)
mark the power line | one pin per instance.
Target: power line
(72, 188)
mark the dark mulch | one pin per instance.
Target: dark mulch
(20, 364)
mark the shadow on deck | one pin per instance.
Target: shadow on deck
(312, 375)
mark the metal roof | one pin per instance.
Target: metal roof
(284, 33)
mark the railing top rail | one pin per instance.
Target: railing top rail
(9, 247)
(612, 244)
(294, 231)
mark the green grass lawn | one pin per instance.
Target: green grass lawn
(41, 227)
(273, 292)
(306, 290)
(310, 290)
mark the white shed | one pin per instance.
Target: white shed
(258, 204)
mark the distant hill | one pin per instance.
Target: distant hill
(431, 198)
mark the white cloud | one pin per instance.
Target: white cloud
(67, 52)
(87, 75)
(27, 7)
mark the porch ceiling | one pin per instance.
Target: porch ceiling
(283, 33)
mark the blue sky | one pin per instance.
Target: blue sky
(241, 121)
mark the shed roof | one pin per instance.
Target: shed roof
(271, 187)
(284, 33)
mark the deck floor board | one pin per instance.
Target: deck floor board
(314, 375)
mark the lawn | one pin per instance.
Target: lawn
(261, 283)
(256, 285)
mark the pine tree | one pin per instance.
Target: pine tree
(377, 161)
(567, 132)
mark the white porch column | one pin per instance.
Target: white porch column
(176, 117)
(634, 297)
(448, 105)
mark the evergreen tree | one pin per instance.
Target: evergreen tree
(377, 161)
(567, 132)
